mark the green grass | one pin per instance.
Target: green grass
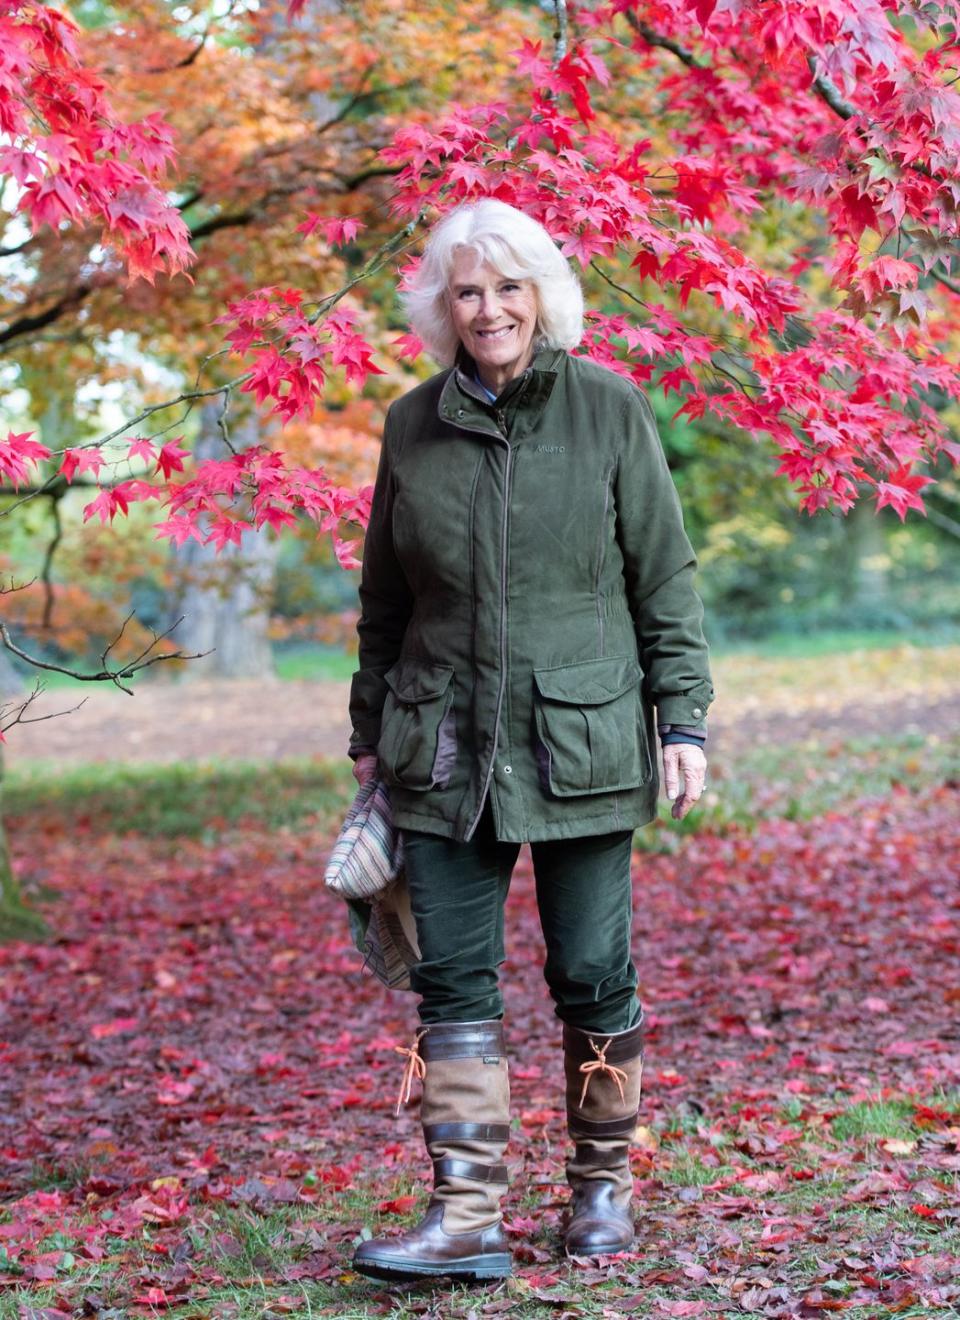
(799, 781)
(314, 662)
(876, 1118)
(200, 800)
(247, 1255)
(193, 800)
(833, 641)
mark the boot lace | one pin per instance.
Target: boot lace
(414, 1067)
(594, 1067)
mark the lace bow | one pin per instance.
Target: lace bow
(414, 1067)
(593, 1067)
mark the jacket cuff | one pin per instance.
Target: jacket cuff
(356, 750)
(688, 710)
(671, 733)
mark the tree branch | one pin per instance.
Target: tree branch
(389, 248)
(21, 709)
(106, 675)
(653, 38)
(561, 33)
(56, 494)
(28, 325)
(946, 281)
(944, 521)
(829, 92)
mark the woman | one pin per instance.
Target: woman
(527, 603)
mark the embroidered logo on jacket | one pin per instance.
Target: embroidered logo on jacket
(551, 449)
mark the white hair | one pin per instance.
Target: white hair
(516, 246)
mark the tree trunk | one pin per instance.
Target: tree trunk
(225, 598)
(863, 563)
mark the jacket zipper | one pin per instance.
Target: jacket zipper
(504, 528)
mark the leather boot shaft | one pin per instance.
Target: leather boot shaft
(603, 1074)
(465, 1111)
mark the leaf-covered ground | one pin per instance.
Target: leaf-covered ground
(198, 1084)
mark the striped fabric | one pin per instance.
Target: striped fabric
(366, 869)
(390, 941)
(366, 857)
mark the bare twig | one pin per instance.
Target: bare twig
(22, 707)
(13, 587)
(105, 675)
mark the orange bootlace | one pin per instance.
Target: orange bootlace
(592, 1067)
(414, 1067)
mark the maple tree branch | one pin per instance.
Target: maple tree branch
(106, 675)
(56, 494)
(830, 93)
(561, 32)
(28, 325)
(943, 520)
(389, 248)
(653, 38)
(946, 281)
(21, 708)
(196, 51)
(17, 248)
(353, 181)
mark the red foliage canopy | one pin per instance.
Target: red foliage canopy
(839, 110)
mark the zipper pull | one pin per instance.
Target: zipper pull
(502, 421)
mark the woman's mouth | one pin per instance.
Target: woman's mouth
(500, 333)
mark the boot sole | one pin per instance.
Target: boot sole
(475, 1268)
(608, 1249)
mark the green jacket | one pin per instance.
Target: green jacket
(526, 601)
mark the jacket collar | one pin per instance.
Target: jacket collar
(463, 403)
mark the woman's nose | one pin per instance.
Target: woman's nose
(489, 304)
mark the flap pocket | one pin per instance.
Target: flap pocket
(418, 743)
(591, 736)
(414, 681)
(589, 682)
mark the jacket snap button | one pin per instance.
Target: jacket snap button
(508, 769)
(459, 412)
(697, 712)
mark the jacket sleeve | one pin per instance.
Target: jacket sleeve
(659, 565)
(386, 604)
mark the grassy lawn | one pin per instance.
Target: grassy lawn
(206, 800)
(753, 1229)
(187, 800)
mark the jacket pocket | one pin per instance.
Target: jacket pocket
(590, 727)
(417, 747)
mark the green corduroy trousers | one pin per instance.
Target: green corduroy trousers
(458, 892)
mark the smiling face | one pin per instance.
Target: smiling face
(495, 317)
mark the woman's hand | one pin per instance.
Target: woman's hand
(689, 760)
(364, 769)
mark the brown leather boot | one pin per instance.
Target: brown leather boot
(466, 1124)
(603, 1075)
